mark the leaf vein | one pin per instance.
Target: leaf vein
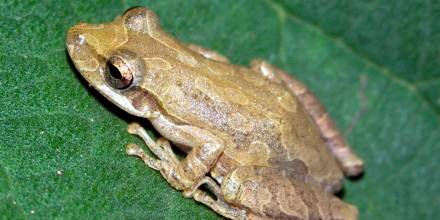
(383, 70)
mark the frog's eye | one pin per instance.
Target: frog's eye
(118, 74)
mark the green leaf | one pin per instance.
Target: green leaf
(374, 64)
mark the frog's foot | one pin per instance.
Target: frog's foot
(135, 150)
(207, 53)
(161, 148)
(167, 163)
(218, 204)
(166, 168)
(183, 174)
(350, 163)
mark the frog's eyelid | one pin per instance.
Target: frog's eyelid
(141, 19)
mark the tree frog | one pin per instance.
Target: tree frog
(256, 137)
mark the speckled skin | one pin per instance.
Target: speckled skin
(229, 120)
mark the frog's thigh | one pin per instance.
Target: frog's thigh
(351, 164)
(267, 194)
(207, 53)
(181, 174)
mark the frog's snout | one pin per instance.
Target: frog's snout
(75, 34)
(83, 54)
(76, 41)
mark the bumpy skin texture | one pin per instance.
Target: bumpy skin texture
(245, 127)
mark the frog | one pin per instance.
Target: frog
(256, 142)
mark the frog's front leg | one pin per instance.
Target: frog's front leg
(161, 148)
(181, 174)
(267, 194)
(176, 172)
(350, 163)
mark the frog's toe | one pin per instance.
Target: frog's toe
(133, 128)
(161, 148)
(135, 150)
(355, 168)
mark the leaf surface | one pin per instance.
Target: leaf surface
(374, 65)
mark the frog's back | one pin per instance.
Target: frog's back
(271, 128)
(261, 122)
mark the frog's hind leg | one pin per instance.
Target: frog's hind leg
(267, 194)
(351, 164)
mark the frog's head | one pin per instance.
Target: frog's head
(100, 54)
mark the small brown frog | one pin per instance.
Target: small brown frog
(256, 137)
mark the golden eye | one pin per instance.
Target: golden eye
(118, 74)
